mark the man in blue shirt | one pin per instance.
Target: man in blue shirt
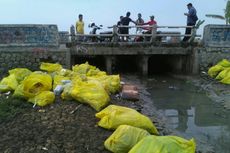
(191, 20)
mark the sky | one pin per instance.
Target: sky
(64, 13)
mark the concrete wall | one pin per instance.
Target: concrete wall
(28, 35)
(216, 46)
(27, 45)
(208, 57)
(31, 59)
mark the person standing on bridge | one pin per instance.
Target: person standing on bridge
(139, 21)
(149, 29)
(125, 22)
(80, 27)
(191, 20)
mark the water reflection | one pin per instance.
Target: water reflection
(191, 113)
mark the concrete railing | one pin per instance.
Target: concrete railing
(155, 35)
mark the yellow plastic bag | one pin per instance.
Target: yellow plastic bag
(113, 116)
(214, 70)
(124, 138)
(164, 144)
(94, 72)
(42, 99)
(20, 73)
(83, 68)
(50, 67)
(35, 83)
(111, 83)
(224, 63)
(226, 80)
(224, 73)
(8, 83)
(19, 93)
(90, 93)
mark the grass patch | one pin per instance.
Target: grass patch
(10, 107)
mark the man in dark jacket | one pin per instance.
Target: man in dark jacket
(191, 20)
(125, 22)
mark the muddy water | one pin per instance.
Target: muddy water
(190, 113)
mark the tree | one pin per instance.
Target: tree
(225, 17)
(227, 12)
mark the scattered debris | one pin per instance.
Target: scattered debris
(44, 148)
(73, 111)
(41, 111)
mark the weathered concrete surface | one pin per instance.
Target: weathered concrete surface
(150, 50)
(28, 35)
(31, 58)
(64, 37)
(208, 57)
(217, 36)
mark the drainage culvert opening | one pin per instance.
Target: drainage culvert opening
(164, 64)
(125, 64)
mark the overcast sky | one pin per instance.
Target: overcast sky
(64, 13)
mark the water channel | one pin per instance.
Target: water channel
(189, 112)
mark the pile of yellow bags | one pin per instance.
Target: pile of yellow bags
(86, 84)
(133, 133)
(221, 71)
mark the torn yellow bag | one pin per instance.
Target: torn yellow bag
(35, 83)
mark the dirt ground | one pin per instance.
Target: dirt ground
(58, 128)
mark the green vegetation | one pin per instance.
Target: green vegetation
(10, 107)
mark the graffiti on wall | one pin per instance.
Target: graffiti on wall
(217, 36)
(40, 35)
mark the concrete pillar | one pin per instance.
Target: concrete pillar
(178, 64)
(68, 59)
(143, 64)
(108, 63)
(195, 61)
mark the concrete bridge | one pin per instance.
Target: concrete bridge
(28, 45)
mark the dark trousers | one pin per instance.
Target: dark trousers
(188, 31)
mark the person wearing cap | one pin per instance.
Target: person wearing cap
(148, 29)
(191, 20)
(139, 21)
(151, 22)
